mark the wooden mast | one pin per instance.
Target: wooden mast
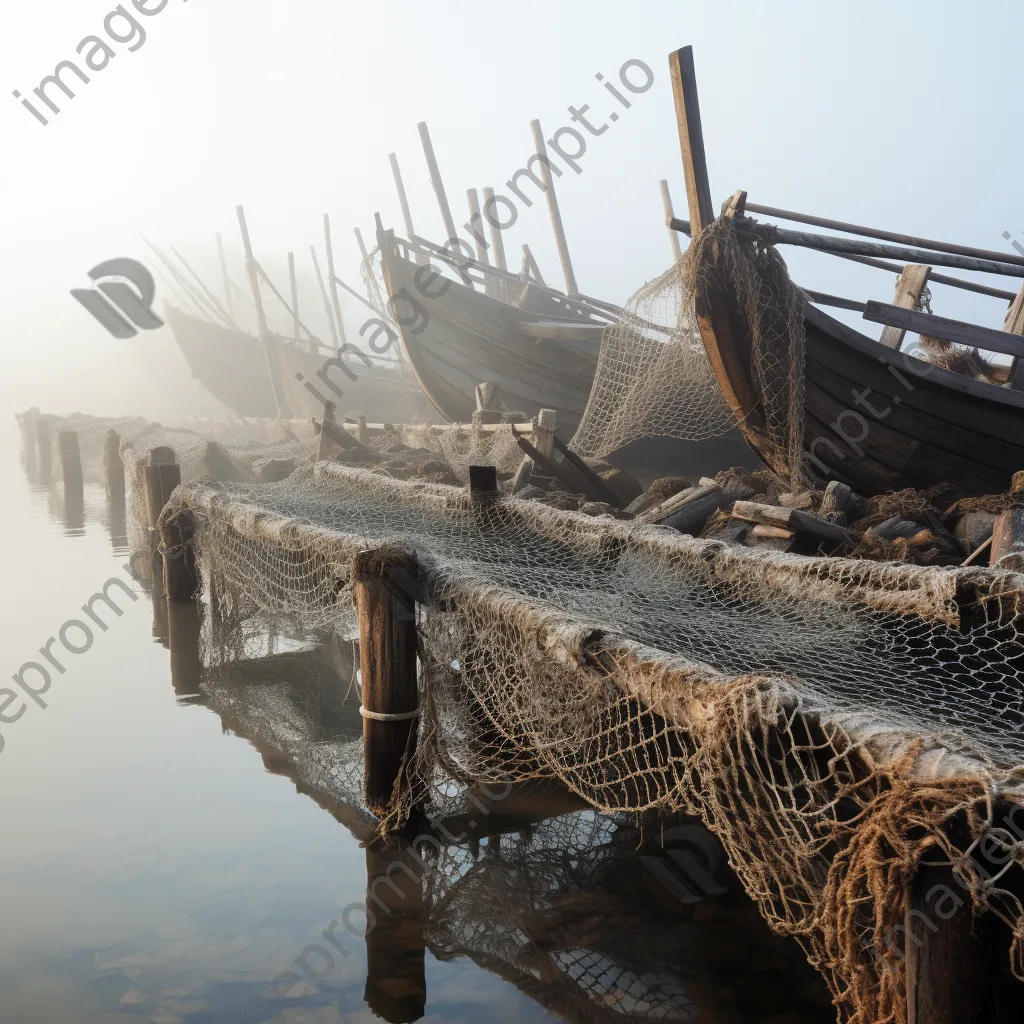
(325, 297)
(403, 202)
(215, 302)
(335, 301)
(476, 230)
(225, 279)
(497, 242)
(673, 235)
(435, 180)
(280, 398)
(553, 210)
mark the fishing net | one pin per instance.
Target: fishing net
(834, 722)
(654, 378)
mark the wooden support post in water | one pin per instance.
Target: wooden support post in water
(70, 461)
(553, 209)
(184, 627)
(385, 584)
(113, 467)
(44, 445)
(673, 235)
(396, 983)
(177, 536)
(909, 287)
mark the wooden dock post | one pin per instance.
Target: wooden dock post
(184, 627)
(44, 445)
(70, 461)
(385, 583)
(113, 468)
(956, 964)
(396, 982)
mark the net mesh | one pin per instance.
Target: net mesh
(828, 719)
(654, 378)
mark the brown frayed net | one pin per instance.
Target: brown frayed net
(825, 718)
(654, 378)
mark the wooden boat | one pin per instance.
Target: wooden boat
(232, 366)
(876, 418)
(541, 349)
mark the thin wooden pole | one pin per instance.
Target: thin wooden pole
(435, 180)
(673, 236)
(403, 202)
(214, 301)
(335, 301)
(294, 287)
(497, 241)
(280, 400)
(530, 267)
(477, 225)
(385, 584)
(910, 287)
(324, 296)
(553, 209)
(225, 279)
(887, 236)
(201, 302)
(691, 139)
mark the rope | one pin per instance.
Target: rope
(379, 716)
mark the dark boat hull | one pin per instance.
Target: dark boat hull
(467, 338)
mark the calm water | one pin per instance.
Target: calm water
(169, 856)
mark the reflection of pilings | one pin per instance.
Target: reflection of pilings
(184, 626)
(161, 626)
(72, 479)
(396, 984)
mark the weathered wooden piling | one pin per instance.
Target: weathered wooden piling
(44, 445)
(385, 583)
(70, 459)
(396, 983)
(113, 467)
(1008, 540)
(184, 626)
(956, 965)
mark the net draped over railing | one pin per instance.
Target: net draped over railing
(806, 709)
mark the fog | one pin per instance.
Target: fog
(899, 117)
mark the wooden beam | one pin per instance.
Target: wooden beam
(226, 279)
(691, 138)
(597, 484)
(673, 236)
(909, 288)
(553, 209)
(956, 331)
(888, 236)
(403, 199)
(530, 268)
(791, 519)
(214, 301)
(856, 247)
(294, 289)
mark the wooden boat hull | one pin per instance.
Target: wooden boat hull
(464, 338)
(232, 366)
(875, 418)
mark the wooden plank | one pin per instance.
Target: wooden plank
(563, 330)
(595, 480)
(956, 331)
(692, 515)
(673, 236)
(553, 210)
(909, 288)
(791, 519)
(691, 138)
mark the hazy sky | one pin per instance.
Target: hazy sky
(891, 115)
